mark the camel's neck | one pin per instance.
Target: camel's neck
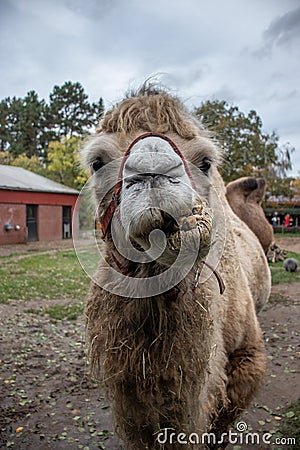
(132, 269)
(156, 350)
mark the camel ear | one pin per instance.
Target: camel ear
(261, 183)
(242, 186)
(253, 189)
(248, 185)
(258, 194)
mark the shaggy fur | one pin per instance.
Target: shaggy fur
(191, 363)
(245, 196)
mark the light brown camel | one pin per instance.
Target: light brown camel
(245, 196)
(177, 352)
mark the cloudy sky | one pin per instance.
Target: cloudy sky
(245, 52)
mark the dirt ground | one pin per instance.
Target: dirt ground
(47, 400)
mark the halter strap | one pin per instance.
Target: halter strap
(107, 216)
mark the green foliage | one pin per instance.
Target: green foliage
(32, 163)
(281, 186)
(64, 165)
(22, 125)
(5, 158)
(70, 113)
(4, 128)
(248, 150)
(28, 125)
(45, 138)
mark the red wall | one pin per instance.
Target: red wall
(13, 210)
(49, 222)
(37, 198)
(15, 214)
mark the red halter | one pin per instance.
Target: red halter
(107, 216)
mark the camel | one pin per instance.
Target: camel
(171, 324)
(245, 196)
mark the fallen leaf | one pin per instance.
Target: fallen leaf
(75, 411)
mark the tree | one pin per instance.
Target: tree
(32, 125)
(70, 114)
(4, 129)
(295, 186)
(248, 150)
(10, 116)
(278, 186)
(22, 125)
(28, 125)
(64, 164)
(5, 158)
(32, 163)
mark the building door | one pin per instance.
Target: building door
(66, 222)
(31, 222)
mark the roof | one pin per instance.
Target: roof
(18, 179)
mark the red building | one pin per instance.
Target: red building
(34, 208)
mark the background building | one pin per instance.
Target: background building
(34, 208)
(283, 213)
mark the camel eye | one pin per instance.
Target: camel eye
(205, 165)
(97, 164)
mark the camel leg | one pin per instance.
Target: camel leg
(245, 371)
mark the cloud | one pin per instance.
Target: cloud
(282, 33)
(284, 30)
(199, 49)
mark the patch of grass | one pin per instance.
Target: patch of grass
(286, 234)
(60, 312)
(280, 275)
(56, 275)
(290, 426)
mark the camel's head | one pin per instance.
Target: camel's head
(152, 165)
(245, 196)
(246, 190)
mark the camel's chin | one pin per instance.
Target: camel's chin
(165, 238)
(184, 244)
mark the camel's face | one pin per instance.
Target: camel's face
(245, 196)
(156, 189)
(163, 201)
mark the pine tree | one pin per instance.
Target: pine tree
(70, 113)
